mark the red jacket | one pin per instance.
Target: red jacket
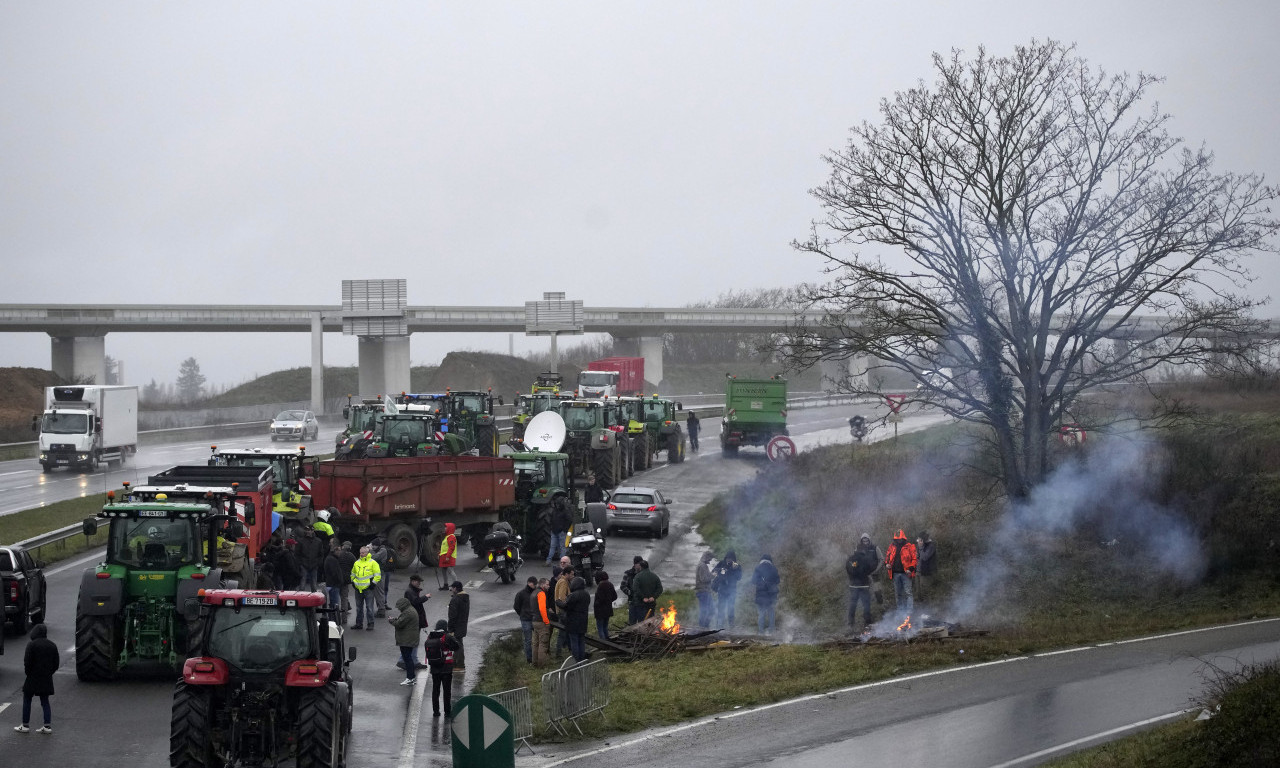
(909, 558)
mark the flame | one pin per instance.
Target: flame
(669, 623)
(905, 625)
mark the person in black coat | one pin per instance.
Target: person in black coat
(40, 662)
(575, 608)
(603, 605)
(440, 650)
(418, 599)
(692, 426)
(331, 573)
(459, 613)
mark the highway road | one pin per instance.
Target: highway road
(981, 715)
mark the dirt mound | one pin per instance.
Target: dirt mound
(508, 376)
(21, 395)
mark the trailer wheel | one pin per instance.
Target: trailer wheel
(319, 729)
(97, 648)
(487, 440)
(429, 547)
(190, 727)
(403, 543)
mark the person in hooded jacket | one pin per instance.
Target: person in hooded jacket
(334, 576)
(310, 552)
(39, 663)
(288, 572)
(927, 550)
(418, 599)
(561, 522)
(900, 560)
(858, 567)
(346, 556)
(448, 557)
(382, 557)
(574, 609)
(459, 614)
(603, 604)
(765, 578)
(524, 608)
(406, 624)
(724, 583)
(440, 649)
(702, 591)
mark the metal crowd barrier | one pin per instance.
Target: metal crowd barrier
(519, 704)
(570, 693)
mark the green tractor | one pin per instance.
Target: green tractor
(593, 441)
(406, 433)
(541, 479)
(471, 418)
(655, 423)
(528, 406)
(131, 606)
(550, 381)
(361, 418)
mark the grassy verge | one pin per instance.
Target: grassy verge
(21, 526)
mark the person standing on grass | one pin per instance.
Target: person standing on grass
(544, 613)
(901, 561)
(646, 587)
(39, 663)
(603, 606)
(406, 624)
(858, 567)
(927, 551)
(524, 608)
(574, 608)
(702, 591)
(724, 583)
(633, 605)
(765, 579)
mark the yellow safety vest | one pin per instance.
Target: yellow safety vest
(365, 572)
(323, 527)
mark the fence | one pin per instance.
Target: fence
(520, 706)
(575, 692)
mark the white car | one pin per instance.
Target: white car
(294, 425)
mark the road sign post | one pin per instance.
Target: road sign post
(895, 410)
(483, 734)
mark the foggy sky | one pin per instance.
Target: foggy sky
(625, 153)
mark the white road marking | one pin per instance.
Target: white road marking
(97, 553)
(17, 472)
(412, 721)
(490, 617)
(1097, 736)
(4, 706)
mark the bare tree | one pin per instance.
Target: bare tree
(1054, 238)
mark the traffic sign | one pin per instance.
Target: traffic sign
(895, 402)
(780, 447)
(483, 734)
(1071, 434)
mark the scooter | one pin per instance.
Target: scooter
(502, 554)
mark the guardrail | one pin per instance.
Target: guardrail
(519, 703)
(573, 693)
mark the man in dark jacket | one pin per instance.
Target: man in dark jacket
(524, 608)
(858, 567)
(702, 591)
(288, 571)
(927, 562)
(382, 557)
(574, 611)
(333, 574)
(628, 576)
(441, 648)
(603, 605)
(645, 588)
(693, 426)
(346, 556)
(766, 580)
(724, 583)
(561, 522)
(593, 493)
(310, 552)
(40, 662)
(459, 612)
(418, 599)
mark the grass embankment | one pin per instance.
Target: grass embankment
(21, 526)
(1101, 567)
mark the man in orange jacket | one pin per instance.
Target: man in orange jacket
(544, 612)
(901, 562)
(448, 557)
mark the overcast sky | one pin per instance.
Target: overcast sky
(626, 153)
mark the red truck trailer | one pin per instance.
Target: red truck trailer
(408, 500)
(629, 380)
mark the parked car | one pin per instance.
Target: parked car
(22, 579)
(294, 425)
(638, 509)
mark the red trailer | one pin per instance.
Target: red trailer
(409, 499)
(630, 375)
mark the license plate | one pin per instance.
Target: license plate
(259, 601)
(63, 461)
(152, 513)
(499, 557)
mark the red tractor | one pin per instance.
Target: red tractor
(269, 682)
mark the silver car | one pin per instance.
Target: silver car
(294, 425)
(638, 509)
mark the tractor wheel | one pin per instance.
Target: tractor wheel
(402, 541)
(190, 726)
(646, 451)
(320, 729)
(487, 440)
(97, 648)
(195, 631)
(605, 465)
(538, 538)
(674, 448)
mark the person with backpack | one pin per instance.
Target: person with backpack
(441, 648)
(459, 613)
(406, 624)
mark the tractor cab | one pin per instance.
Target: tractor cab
(290, 468)
(471, 418)
(549, 381)
(407, 433)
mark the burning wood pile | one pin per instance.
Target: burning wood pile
(893, 632)
(656, 637)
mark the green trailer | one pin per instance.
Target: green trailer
(755, 412)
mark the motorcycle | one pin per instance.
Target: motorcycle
(586, 546)
(502, 553)
(858, 427)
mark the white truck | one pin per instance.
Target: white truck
(84, 425)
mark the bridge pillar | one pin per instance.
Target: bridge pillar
(648, 347)
(317, 364)
(384, 365)
(848, 373)
(80, 358)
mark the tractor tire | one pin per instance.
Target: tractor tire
(402, 541)
(97, 648)
(320, 729)
(624, 458)
(605, 464)
(195, 631)
(675, 448)
(487, 440)
(537, 539)
(646, 451)
(190, 725)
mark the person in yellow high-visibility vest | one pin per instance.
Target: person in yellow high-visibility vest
(365, 574)
(448, 555)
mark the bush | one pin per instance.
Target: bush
(1245, 728)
